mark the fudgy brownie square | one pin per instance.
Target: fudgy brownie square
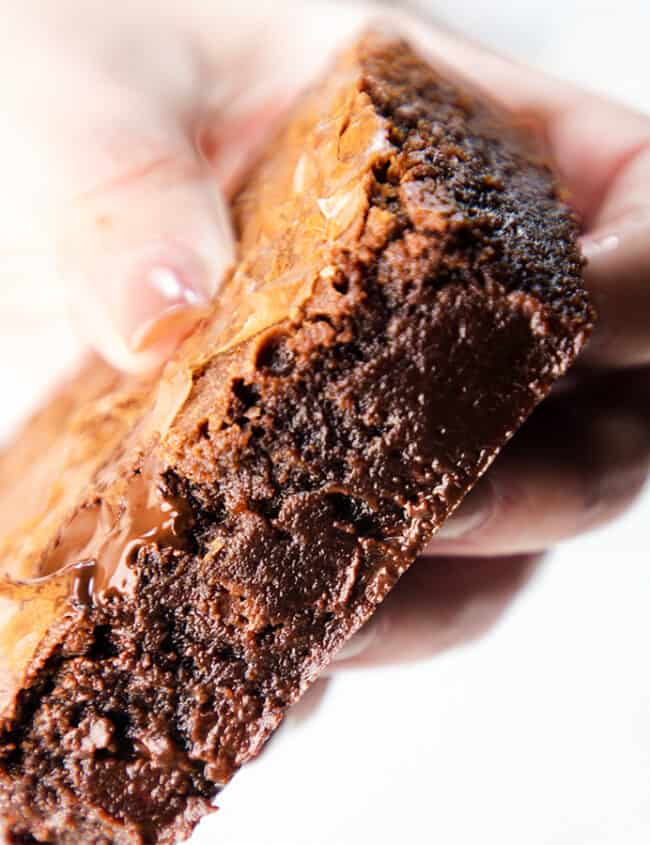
(182, 557)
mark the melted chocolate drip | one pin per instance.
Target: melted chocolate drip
(100, 544)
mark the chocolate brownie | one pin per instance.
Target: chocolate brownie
(182, 557)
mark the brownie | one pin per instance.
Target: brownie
(183, 556)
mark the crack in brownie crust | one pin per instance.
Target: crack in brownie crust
(409, 290)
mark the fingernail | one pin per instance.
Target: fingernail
(628, 229)
(593, 246)
(165, 287)
(360, 642)
(471, 515)
(622, 442)
(135, 307)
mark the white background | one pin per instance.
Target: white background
(536, 733)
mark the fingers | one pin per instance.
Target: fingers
(571, 121)
(102, 146)
(145, 233)
(145, 239)
(143, 252)
(601, 150)
(618, 272)
(577, 464)
(143, 263)
(440, 603)
(527, 506)
(579, 461)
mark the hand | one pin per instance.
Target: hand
(584, 455)
(125, 127)
(122, 122)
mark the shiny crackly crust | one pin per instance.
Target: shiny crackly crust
(409, 289)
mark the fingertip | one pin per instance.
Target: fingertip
(473, 513)
(439, 604)
(616, 276)
(135, 308)
(141, 264)
(546, 489)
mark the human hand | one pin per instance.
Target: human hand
(584, 455)
(130, 127)
(125, 128)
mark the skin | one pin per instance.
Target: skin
(123, 141)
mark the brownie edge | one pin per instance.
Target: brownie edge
(192, 551)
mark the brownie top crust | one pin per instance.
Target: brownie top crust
(408, 288)
(288, 216)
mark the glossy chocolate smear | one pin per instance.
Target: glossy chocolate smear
(97, 549)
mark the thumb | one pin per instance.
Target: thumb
(143, 249)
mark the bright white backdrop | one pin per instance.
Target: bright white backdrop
(537, 733)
